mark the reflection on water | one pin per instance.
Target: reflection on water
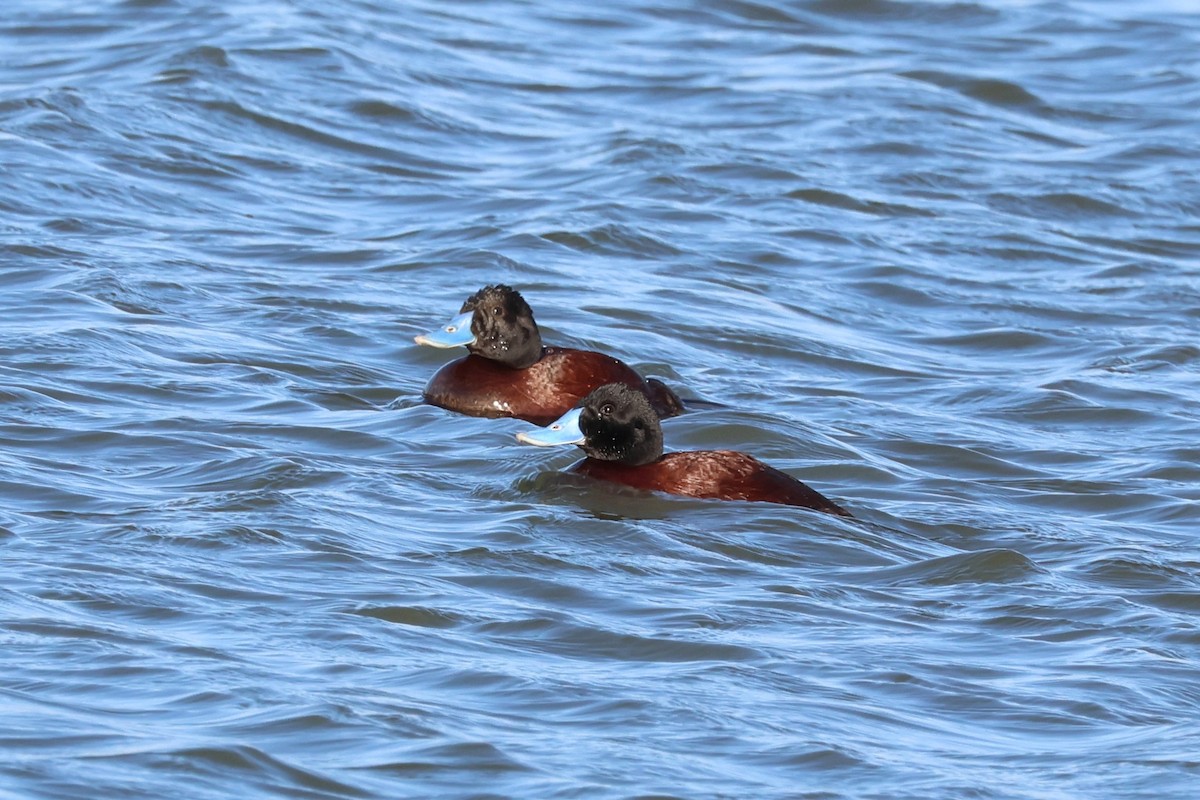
(937, 260)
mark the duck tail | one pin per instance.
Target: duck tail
(664, 400)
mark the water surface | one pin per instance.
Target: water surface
(940, 260)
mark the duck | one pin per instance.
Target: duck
(509, 372)
(620, 435)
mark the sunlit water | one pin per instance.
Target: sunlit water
(940, 260)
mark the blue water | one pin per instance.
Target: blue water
(940, 260)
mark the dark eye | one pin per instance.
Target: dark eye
(496, 311)
(606, 409)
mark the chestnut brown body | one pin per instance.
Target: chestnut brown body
(715, 474)
(541, 392)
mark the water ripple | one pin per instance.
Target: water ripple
(938, 260)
